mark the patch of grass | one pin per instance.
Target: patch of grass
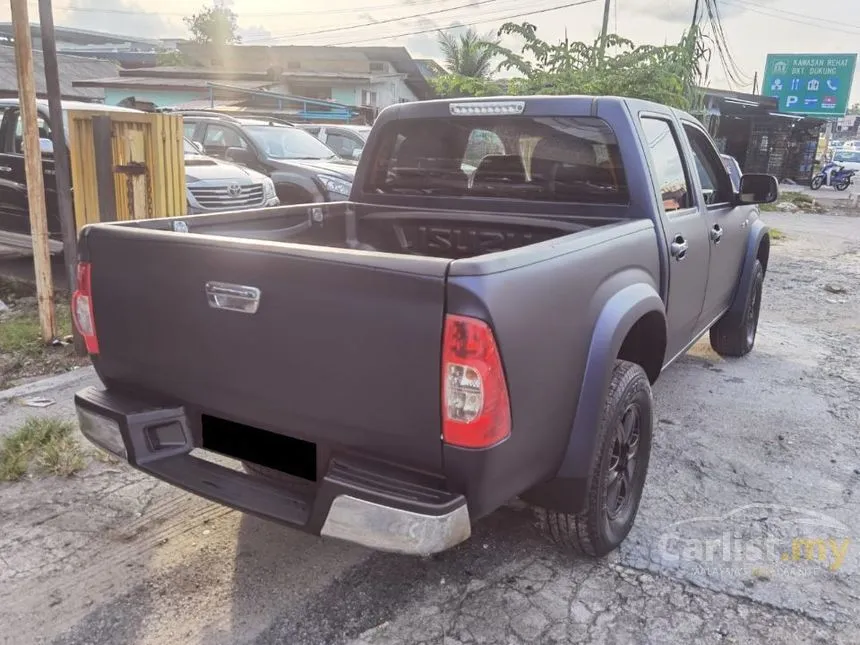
(776, 234)
(22, 352)
(46, 444)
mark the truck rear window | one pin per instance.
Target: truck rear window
(553, 159)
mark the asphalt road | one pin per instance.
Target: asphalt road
(749, 455)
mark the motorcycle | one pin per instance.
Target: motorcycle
(832, 174)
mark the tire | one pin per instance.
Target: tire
(817, 182)
(730, 337)
(618, 476)
(843, 185)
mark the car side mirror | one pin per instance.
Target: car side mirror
(46, 146)
(758, 189)
(356, 153)
(241, 156)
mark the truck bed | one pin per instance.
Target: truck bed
(422, 232)
(341, 348)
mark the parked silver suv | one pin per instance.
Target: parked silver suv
(214, 185)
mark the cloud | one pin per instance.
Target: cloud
(118, 19)
(681, 11)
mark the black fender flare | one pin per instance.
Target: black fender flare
(567, 491)
(758, 231)
(296, 180)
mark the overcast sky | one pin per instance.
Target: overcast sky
(753, 28)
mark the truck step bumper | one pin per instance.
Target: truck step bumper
(350, 502)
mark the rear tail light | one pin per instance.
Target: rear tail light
(476, 412)
(82, 308)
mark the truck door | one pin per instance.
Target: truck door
(727, 223)
(686, 229)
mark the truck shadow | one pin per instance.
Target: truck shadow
(372, 588)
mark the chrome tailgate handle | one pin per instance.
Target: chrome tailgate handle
(233, 297)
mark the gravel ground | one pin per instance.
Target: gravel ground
(749, 455)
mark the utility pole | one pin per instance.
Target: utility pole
(61, 155)
(605, 30)
(33, 167)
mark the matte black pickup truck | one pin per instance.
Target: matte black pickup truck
(470, 327)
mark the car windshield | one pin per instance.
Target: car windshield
(847, 157)
(281, 142)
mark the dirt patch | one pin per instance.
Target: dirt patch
(794, 202)
(23, 355)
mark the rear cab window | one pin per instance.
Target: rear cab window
(540, 159)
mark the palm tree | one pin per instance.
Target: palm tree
(468, 54)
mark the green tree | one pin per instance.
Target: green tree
(468, 54)
(670, 74)
(216, 25)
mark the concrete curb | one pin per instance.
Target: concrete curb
(61, 380)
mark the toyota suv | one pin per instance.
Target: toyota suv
(302, 167)
(214, 185)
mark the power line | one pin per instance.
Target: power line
(805, 16)
(468, 24)
(760, 9)
(261, 14)
(317, 32)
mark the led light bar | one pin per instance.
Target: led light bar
(487, 107)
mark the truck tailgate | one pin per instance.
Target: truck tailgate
(343, 350)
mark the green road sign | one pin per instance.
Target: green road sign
(813, 84)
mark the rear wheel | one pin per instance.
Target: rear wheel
(842, 185)
(618, 476)
(817, 182)
(732, 337)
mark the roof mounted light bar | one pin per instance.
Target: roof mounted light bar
(502, 108)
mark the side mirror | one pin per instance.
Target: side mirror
(198, 147)
(758, 189)
(240, 156)
(356, 153)
(46, 146)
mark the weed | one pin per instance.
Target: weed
(46, 443)
(776, 234)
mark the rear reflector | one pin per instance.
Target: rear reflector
(82, 308)
(476, 411)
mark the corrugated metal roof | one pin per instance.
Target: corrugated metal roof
(71, 68)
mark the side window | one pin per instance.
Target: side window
(219, 137)
(16, 131)
(188, 129)
(667, 164)
(342, 145)
(716, 184)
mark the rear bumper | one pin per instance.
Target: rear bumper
(350, 501)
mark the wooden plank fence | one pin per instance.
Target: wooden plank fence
(148, 164)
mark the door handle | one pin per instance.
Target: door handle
(5, 169)
(716, 234)
(679, 247)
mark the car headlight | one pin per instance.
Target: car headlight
(268, 188)
(336, 186)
